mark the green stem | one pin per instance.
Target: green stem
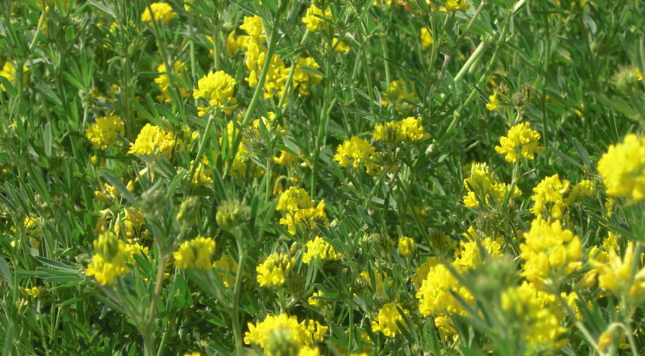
(202, 145)
(237, 330)
(294, 64)
(473, 58)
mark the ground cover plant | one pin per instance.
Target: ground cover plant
(294, 178)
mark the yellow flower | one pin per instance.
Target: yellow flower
(426, 37)
(583, 189)
(469, 254)
(538, 312)
(273, 270)
(456, 5)
(227, 267)
(321, 249)
(218, 88)
(293, 200)
(160, 12)
(339, 46)
(8, 71)
(623, 169)
(386, 320)
(398, 92)
(614, 275)
(103, 132)
(412, 130)
(109, 261)
(520, 140)
(549, 251)
(549, 197)
(151, 140)
(203, 174)
(195, 254)
(406, 246)
(163, 81)
(494, 101)
(316, 302)
(482, 185)
(313, 18)
(354, 152)
(304, 333)
(299, 210)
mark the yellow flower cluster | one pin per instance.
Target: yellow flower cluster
(160, 12)
(623, 169)
(398, 92)
(406, 130)
(164, 81)
(226, 268)
(482, 184)
(549, 252)
(494, 101)
(278, 72)
(109, 261)
(8, 71)
(272, 271)
(469, 254)
(218, 89)
(299, 210)
(406, 246)
(614, 274)
(152, 140)
(426, 37)
(538, 312)
(306, 333)
(552, 196)
(195, 254)
(314, 18)
(520, 141)
(320, 249)
(103, 132)
(356, 152)
(386, 320)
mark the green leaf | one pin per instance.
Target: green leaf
(5, 272)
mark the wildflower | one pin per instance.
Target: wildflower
(412, 130)
(406, 246)
(163, 81)
(469, 254)
(8, 71)
(380, 279)
(315, 300)
(549, 197)
(494, 101)
(354, 152)
(231, 214)
(549, 251)
(103, 132)
(626, 79)
(623, 169)
(203, 175)
(520, 141)
(386, 320)
(314, 18)
(482, 185)
(339, 46)
(218, 88)
(151, 140)
(320, 249)
(456, 5)
(539, 314)
(285, 158)
(436, 298)
(195, 254)
(302, 78)
(226, 268)
(614, 275)
(426, 37)
(109, 261)
(299, 210)
(160, 12)
(304, 333)
(273, 270)
(579, 191)
(398, 91)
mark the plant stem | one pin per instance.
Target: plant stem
(235, 316)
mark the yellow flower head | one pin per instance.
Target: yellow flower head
(339, 46)
(8, 71)
(483, 185)
(109, 261)
(227, 268)
(293, 200)
(406, 246)
(273, 270)
(386, 320)
(614, 275)
(103, 132)
(195, 254)
(549, 197)
(160, 12)
(356, 151)
(304, 333)
(151, 140)
(494, 101)
(426, 37)
(218, 88)
(163, 81)
(520, 140)
(313, 18)
(538, 312)
(549, 251)
(623, 169)
(321, 249)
